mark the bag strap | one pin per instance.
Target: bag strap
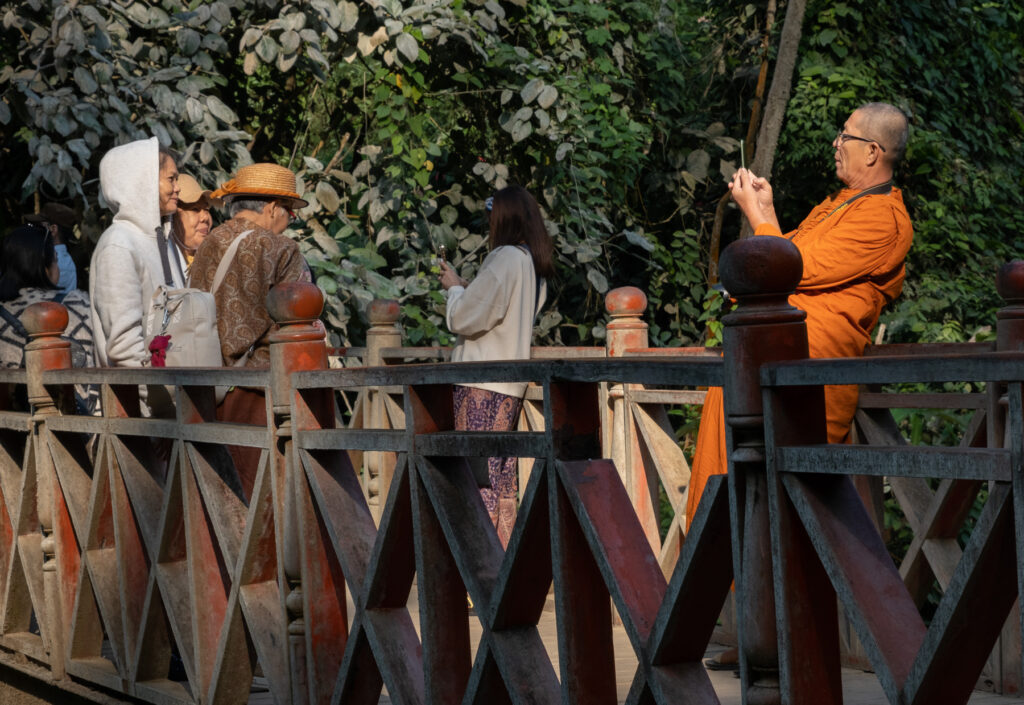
(161, 242)
(14, 322)
(225, 262)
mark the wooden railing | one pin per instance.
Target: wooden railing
(636, 431)
(136, 564)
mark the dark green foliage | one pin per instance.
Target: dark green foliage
(622, 117)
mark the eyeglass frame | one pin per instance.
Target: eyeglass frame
(842, 137)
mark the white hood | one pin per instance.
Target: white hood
(129, 182)
(126, 264)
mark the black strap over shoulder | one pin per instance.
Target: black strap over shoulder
(161, 242)
(14, 322)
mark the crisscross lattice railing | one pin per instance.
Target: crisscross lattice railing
(140, 560)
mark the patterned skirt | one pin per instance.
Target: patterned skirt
(484, 410)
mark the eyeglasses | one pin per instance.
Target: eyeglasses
(286, 209)
(843, 136)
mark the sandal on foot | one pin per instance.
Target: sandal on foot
(713, 664)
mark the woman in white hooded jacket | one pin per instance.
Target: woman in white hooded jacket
(139, 183)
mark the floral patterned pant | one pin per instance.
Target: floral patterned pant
(484, 410)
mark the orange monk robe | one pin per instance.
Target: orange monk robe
(853, 265)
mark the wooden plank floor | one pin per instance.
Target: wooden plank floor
(859, 688)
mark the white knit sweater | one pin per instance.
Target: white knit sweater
(126, 265)
(494, 315)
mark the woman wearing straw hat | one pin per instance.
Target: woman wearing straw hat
(261, 201)
(192, 221)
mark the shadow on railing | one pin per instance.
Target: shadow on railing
(137, 562)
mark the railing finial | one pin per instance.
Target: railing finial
(383, 312)
(760, 266)
(46, 319)
(1010, 318)
(295, 302)
(626, 301)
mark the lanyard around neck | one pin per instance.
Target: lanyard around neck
(883, 188)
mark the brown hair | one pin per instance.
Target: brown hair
(515, 220)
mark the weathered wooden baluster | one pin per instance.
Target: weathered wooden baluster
(317, 625)
(1010, 338)
(45, 350)
(627, 331)
(759, 273)
(384, 333)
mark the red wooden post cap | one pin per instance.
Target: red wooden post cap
(383, 312)
(761, 265)
(293, 302)
(625, 301)
(45, 319)
(1010, 281)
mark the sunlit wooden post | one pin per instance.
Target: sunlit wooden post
(45, 350)
(625, 332)
(384, 333)
(760, 273)
(316, 619)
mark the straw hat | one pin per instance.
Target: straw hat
(192, 194)
(262, 180)
(54, 213)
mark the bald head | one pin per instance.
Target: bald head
(888, 125)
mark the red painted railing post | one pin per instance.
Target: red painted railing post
(316, 622)
(45, 350)
(625, 332)
(384, 333)
(760, 273)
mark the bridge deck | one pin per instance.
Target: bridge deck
(859, 688)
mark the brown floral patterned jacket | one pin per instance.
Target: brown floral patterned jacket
(262, 261)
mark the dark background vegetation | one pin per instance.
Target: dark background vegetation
(624, 119)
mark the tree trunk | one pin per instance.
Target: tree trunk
(782, 85)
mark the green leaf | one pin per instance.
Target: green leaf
(85, 80)
(290, 41)
(329, 285)
(407, 46)
(220, 111)
(639, 239)
(349, 16)
(267, 49)
(531, 90)
(597, 280)
(327, 196)
(189, 41)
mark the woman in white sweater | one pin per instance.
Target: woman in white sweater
(139, 183)
(493, 316)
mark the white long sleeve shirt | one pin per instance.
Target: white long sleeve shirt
(494, 315)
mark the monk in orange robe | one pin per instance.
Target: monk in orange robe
(853, 245)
